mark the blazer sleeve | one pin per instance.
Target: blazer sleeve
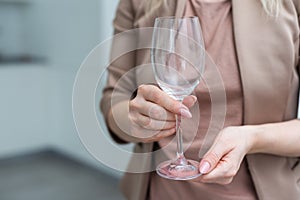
(120, 64)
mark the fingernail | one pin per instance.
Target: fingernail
(185, 113)
(194, 98)
(204, 168)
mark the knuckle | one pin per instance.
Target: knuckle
(156, 96)
(163, 134)
(153, 112)
(174, 104)
(169, 132)
(214, 157)
(159, 136)
(152, 138)
(134, 105)
(230, 171)
(229, 174)
(225, 140)
(145, 122)
(157, 113)
(168, 125)
(132, 118)
(226, 173)
(142, 89)
(226, 133)
(227, 181)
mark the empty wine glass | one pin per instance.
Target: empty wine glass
(178, 58)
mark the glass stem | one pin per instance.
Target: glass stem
(179, 136)
(180, 157)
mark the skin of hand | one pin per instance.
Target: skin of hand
(222, 162)
(152, 113)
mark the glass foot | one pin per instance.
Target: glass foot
(178, 170)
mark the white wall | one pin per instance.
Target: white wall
(36, 101)
(11, 24)
(24, 107)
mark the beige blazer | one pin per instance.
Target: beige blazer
(267, 50)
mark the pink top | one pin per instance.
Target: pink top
(217, 27)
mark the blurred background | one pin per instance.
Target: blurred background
(42, 44)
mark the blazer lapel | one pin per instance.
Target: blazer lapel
(169, 8)
(263, 62)
(179, 7)
(266, 54)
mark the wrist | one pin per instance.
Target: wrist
(254, 140)
(274, 138)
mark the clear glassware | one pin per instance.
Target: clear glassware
(178, 59)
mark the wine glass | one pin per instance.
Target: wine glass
(178, 58)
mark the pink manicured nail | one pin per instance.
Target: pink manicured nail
(194, 98)
(186, 113)
(204, 168)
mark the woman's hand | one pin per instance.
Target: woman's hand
(222, 162)
(152, 113)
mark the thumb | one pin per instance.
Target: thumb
(212, 158)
